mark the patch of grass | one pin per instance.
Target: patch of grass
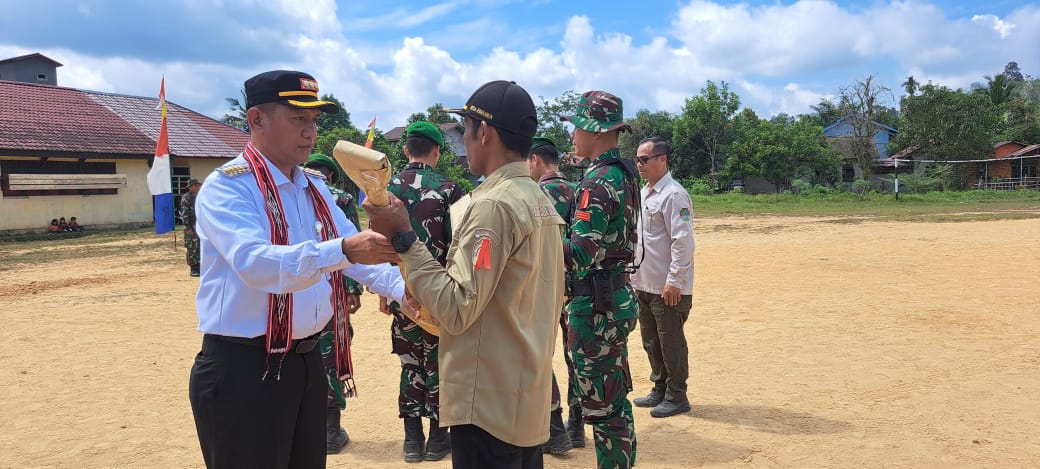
(884, 206)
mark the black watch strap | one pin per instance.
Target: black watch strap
(403, 240)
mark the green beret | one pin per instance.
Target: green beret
(320, 159)
(541, 142)
(424, 129)
(192, 181)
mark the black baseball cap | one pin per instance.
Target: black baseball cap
(503, 104)
(295, 89)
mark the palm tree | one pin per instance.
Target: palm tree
(911, 85)
(237, 118)
(999, 88)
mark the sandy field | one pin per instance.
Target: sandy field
(814, 342)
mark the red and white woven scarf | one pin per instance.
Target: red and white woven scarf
(280, 309)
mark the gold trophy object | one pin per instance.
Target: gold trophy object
(371, 171)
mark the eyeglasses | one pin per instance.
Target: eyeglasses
(645, 159)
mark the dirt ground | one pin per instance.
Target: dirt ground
(813, 343)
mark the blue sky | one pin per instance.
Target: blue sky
(392, 58)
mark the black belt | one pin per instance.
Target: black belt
(583, 287)
(304, 345)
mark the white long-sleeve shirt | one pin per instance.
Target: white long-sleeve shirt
(240, 266)
(666, 234)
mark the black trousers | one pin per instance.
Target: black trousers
(246, 422)
(474, 448)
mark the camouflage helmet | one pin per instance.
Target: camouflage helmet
(599, 111)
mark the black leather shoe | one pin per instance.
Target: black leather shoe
(650, 400)
(670, 408)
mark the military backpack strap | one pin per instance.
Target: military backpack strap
(631, 193)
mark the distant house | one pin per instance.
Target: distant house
(841, 134)
(68, 152)
(1011, 165)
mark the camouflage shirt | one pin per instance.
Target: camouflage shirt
(427, 196)
(345, 202)
(560, 191)
(603, 227)
(188, 210)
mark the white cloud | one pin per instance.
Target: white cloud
(992, 21)
(779, 57)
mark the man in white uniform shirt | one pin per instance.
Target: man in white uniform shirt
(664, 280)
(274, 249)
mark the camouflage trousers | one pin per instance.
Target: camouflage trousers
(327, 344)
(191, 245)
(572, 389)
(419, 394)
(599, 344)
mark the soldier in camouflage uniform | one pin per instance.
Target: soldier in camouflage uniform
(191, 238)
(427, 195)
(335, 435)
(603, 308)
(544, 161)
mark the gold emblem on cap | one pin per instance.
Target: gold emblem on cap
(308, 84)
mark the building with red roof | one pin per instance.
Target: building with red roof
(68, 152)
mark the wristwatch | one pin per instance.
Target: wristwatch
(403, 240)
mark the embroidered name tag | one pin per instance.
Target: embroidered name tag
(543, 211)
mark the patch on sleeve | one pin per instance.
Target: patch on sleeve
(487, 240)
(684, 213)
(583, 215)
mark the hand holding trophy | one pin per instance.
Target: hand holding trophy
(371, 171)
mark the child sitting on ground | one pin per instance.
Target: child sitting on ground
(73, 225)
(63, 226)
(54, 228)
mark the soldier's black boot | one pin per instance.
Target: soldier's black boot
(195, 270)
(413, 439)
(575, 427)
(559, 440)
(439, 444)
(335, 436)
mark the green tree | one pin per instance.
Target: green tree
(780, 151)
(435, 115)
(825, 113)
(328, 121)
(911, 85)
(703, 127)
(549, 112)
(998, 88)
(647, 124)
(947, 125)
(1013, 73)
(237, 117)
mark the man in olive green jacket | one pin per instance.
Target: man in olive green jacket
(498, 297)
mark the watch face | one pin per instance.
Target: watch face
(403, 241)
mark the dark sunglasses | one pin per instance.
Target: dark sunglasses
(645, 159)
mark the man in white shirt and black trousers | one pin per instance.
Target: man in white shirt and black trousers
(274, 250)
(664, 280)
